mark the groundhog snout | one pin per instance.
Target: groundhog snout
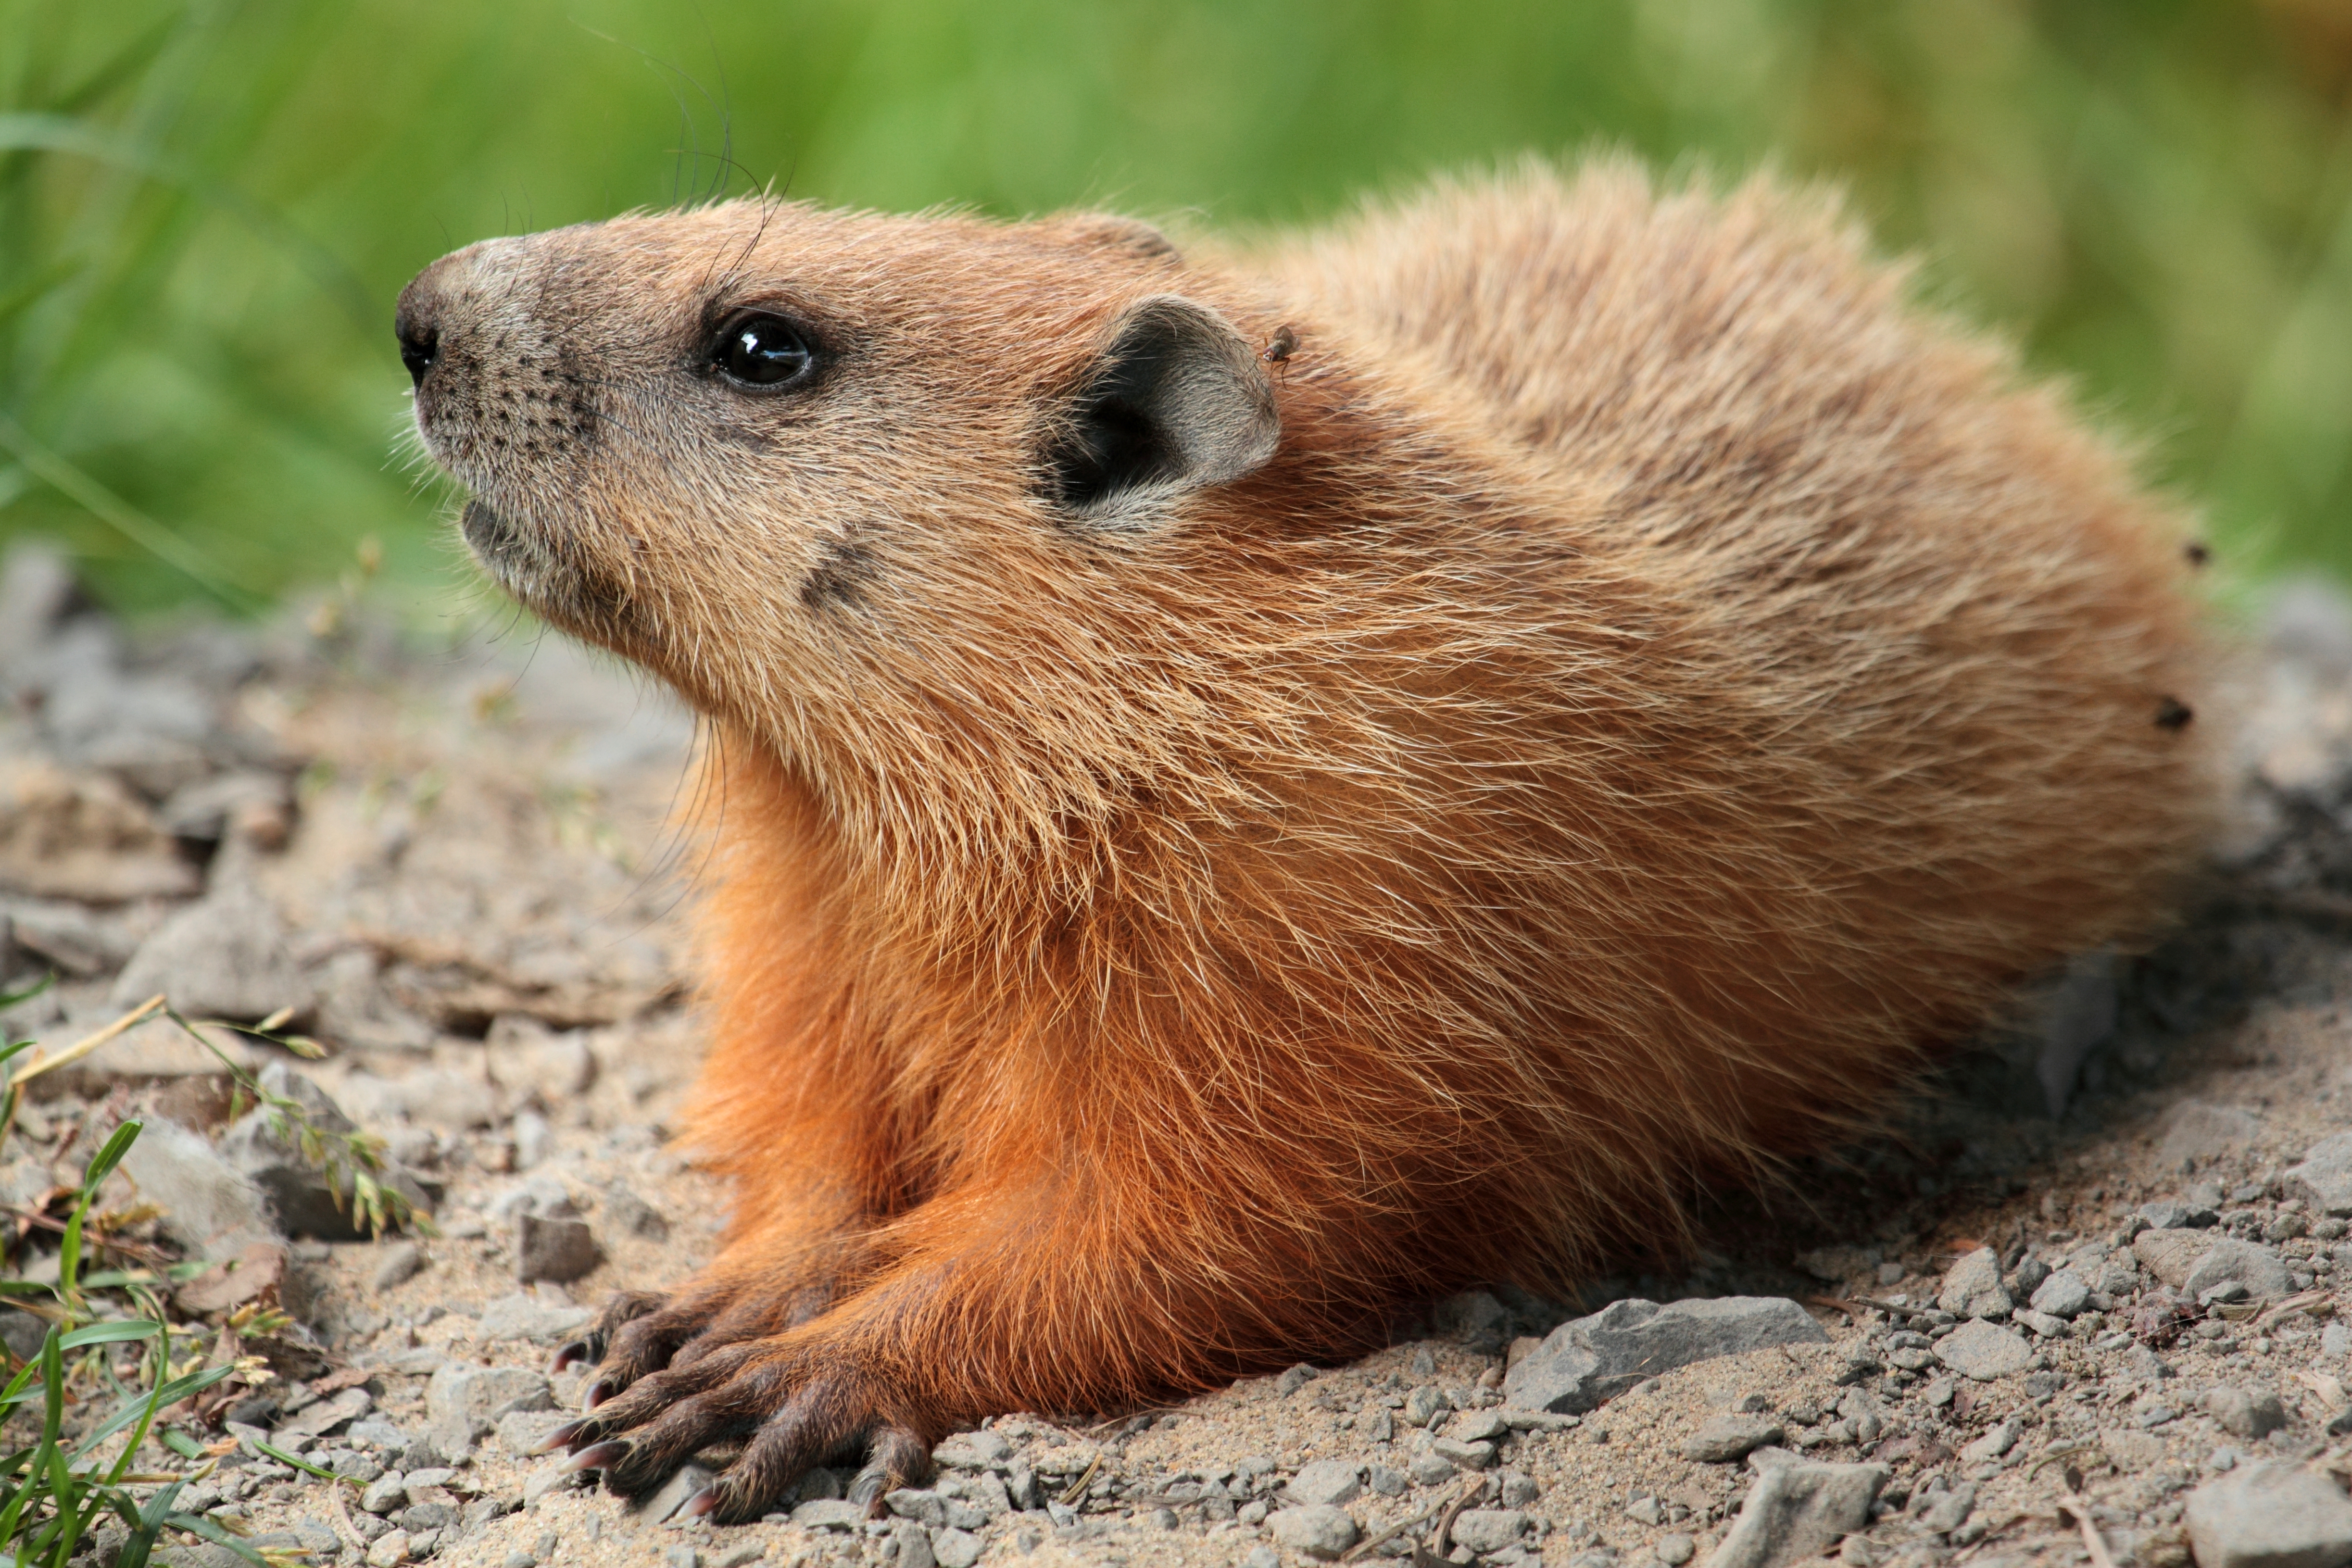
(497, 398)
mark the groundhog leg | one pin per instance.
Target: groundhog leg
(1077, 1292)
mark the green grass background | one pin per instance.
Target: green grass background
(206, 209)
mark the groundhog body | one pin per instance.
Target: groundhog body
(1253, 792)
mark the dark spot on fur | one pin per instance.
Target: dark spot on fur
(2198, 552)
(843, 572)
(2173, 714)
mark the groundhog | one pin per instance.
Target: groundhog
(1257, 788)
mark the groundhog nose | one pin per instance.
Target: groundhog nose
(417, 322)
(420, 344)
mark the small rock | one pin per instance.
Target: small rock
(210, 1206)
(1316, 1530)
(1263, 1557)
(829, 1513)
(1328, 1481)
(1996, 1442)
(1972, 1287)
(555, 1250)
(324, 1416)
(1487, 1530)
(1462, 1455)
(2271, 1515)
(462, 1402)
(680, 1557)
(1429, 1469)
(225, 955)
(2166, 1214)
(521, 1432)
(1674, 1549)
(922, 1506)
(306, 1202)
(690, 1482)
(83, 836)
(1291, 1381)
(386, 1493)
(2063, 1294)
(1589, 1359)
(2324, 1178)
(972, 1451)
(2245, 1413)
(1425, 1404)
(551, 1476)
(2230, 1260)
(1948, 1511)
(1478, 1427)
(1798, 1511)
(750, 1552)
(1984, 1351)
(955, 1548)
(633, 1213)
(389, 1548)
(398, 1263)
(1727, 1439)
(520, 1317)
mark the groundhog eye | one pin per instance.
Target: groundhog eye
(761, 352)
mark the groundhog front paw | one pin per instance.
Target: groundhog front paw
(798, 1404)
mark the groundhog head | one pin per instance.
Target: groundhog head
(822, 469)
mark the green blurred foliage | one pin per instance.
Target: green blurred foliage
(206, 208)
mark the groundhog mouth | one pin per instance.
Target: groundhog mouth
(519, 557)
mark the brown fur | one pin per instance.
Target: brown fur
(1660, 687)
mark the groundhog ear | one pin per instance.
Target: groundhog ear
(1176, 400)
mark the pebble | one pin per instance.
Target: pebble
(680, 1557)
(1464, 1456)
(2245, 1413)
(210, 1206)
(921, 1506)
(1425, 1404)
(1984, 1351)
(1316, 1530)
(633, 1213)
(829, 1513)
(1996, 1442)
(1798, 1510)
(1674, 1549)
(555, 1250)
(972, 1451)
(2271, 1515)
(226, 956)
(1972, 1287)
(1589, 1359)
(1487, 1530)
(399, 1262)
(389, 1549)
(675, 1491)
(2167, 1214)
(1727, 1439)
(1478, 1427)
(2323, 1179)
(520, 1317)
(386, 1493)
(1295, 1379)
(955, 1548)
(2065, 1294)
(462, 1401)
(1328, 1481)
